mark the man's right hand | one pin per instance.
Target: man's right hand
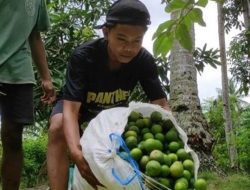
(85, 170)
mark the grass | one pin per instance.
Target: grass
(229, 182)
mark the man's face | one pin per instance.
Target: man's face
(124, 42)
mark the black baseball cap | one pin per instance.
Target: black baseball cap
(132, 12)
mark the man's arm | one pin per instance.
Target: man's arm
(71, 131)
(39, 57)
(163, 103)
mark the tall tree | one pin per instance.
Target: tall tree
(184, 98)
(230, 139)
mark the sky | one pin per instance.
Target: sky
(210, 80)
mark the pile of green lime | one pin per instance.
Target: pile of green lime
(156, 146)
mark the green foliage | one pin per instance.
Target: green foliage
(232, 10)
(214, 113)
(34, 158)
(189, 12)
(231, 181)
(239, 58)
(72, 23)
(243, 140)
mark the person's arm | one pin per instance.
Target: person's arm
(163, 103)
(71, 131)
(39, 57)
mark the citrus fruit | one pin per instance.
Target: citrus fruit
(130, 123)
(172, 135)
(144, 160)
(139, 123)
(182, 154)
(165, 170)
(180, 186)
(160, 137)
(153, 168)
(187, 174)
(165, 181)
(157, 155)
(148, 136)
(156, 128)
(167, 160)
(147, 121)
(188, 165)
(133, 116)
(158, 145)
(173, 146)
(200, 184)
(167, 124)
(182, 179)
(145, 130)
(173, 157)
(156, 116)
(133, 128)
(130, 133)
(149, 145)
(176, 169)
(136, 153)
(131, 142)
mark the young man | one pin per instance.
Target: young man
(101, 74)
(20, 41)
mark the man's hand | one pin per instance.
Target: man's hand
(49, 93)
(85, 170)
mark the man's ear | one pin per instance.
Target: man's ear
(105, 32)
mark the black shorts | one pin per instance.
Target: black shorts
(16, 103)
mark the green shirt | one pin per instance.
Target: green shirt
(18, 18)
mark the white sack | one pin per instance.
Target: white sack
(100, 152)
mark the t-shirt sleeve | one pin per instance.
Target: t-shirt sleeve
(43, 22)
(75, 86)
(149, 80)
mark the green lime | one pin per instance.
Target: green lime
(136, 153)
(167, 160)
(160, 137)
(131, 142)
(153, 168)
(176, 169)
(172, 135)
(200, 184)
(145, 130)
(182, 154)
(148, 136)
(133, 116)
(156, 128)
(173, 146)
(143, 162)
(157, 155)
(156, 116)
(130, 133)
(188, 165)
(139, 123)
(165, 170)
(147, 121)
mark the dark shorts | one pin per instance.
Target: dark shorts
(16, 103)
(58, 108)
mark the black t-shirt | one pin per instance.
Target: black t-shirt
(90, 81)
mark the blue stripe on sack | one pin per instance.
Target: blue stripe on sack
(133, 163)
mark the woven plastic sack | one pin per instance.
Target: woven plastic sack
(101, 143)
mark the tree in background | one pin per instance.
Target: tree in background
(229, 132)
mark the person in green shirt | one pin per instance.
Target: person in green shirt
(20, 44)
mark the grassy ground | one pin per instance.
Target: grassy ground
(229, 182)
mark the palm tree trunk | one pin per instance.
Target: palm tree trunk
(185, 102)
(230, 139)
